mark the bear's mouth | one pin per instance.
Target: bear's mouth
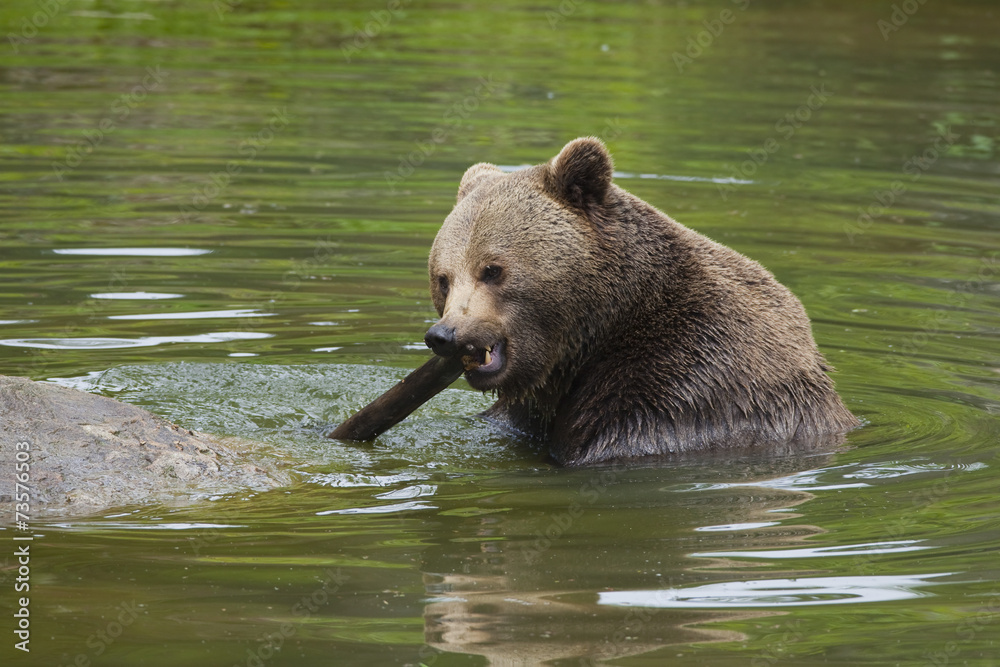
(484, 360)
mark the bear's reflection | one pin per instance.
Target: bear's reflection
(482, 616)
(519, 593)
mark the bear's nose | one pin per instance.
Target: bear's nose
(441, 339)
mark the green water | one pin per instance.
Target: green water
(264, 180)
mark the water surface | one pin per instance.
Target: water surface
(222, 212)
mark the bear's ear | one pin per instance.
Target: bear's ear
(474, 176)
(581, 174)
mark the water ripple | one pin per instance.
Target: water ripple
(736, 526)
(350, 480)
(801, 592)
(143, 341)
(381, 509)
(820, 552)
(151, 296)
(416, 491)
(132, 252)
(196, 315)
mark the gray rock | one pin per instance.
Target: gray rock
(89, 453)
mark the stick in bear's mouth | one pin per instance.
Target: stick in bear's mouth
(394, 405)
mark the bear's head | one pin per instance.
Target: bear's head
(518, 269)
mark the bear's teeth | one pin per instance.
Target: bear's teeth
(471, 363)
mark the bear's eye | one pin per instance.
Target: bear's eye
(492, 273)
(443, 285)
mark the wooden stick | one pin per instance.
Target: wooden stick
(394, 405)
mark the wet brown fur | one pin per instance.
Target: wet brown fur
(626, 334)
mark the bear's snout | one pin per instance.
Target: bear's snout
(481, 348)
(442, 340)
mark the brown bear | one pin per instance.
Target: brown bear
(610, 331)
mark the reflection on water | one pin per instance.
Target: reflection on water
(819, 552)
(737, 526)
(381, 509)
(148, 296)
(778, 592)
(165, 245)
(481, 617)
(124, 525)
(132, 252)
(199, 315)
(142, 341)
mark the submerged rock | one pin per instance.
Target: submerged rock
(89, 453)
